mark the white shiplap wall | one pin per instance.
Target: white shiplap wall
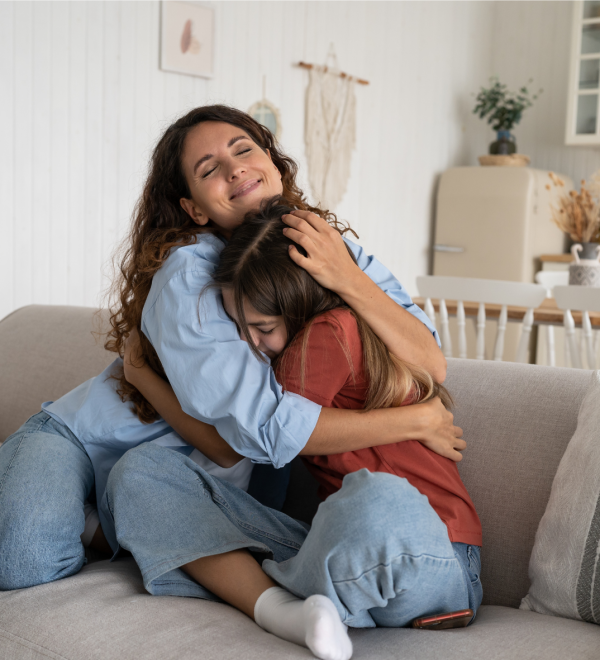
(82, 102)
(533, 40)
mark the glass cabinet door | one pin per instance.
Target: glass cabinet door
(583, 125)
(587, 114)
(591, 9)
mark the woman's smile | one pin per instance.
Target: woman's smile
(246, 188)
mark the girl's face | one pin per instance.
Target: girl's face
(268, 332)
(227, 173)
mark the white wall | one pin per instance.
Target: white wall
(533, 40)
(82, 101)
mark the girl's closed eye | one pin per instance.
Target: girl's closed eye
(267, 333)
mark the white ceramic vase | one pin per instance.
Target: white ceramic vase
(585, 272)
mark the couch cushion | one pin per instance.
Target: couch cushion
(565, 566)
(517, 421)
(498, 633)
(46, 351)
(104, 613)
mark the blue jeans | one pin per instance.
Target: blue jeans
(45, 476)
(376, 548)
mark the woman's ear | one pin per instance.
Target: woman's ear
(190, 207)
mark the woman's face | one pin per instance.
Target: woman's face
(227, 173)
(268, 332)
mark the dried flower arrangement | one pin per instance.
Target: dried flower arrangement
(578, 213)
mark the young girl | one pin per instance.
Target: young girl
(324, 351)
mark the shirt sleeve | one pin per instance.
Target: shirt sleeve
(326, 369)
(388, 283)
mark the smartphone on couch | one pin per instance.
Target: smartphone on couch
(458, 619)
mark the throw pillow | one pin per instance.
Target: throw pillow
(565, 563)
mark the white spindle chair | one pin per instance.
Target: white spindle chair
(550, 279)
(583, 299)
(493, 292)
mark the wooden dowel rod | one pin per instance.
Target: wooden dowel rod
(360, 81)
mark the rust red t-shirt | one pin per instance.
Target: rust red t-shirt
(330, 381)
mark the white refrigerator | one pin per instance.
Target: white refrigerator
(494, 223)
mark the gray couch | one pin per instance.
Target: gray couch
(517, 421)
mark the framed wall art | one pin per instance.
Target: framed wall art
(186, 44)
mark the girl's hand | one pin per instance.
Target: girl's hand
(133, 359)
(438, 432)
(328, 260)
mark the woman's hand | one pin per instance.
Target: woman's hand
(331, 265)
(438, 431)
(133, 360)
(328, 260)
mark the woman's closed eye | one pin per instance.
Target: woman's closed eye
(239, 153)
(266, 332)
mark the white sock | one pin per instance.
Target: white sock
(92, 522)
(314, 623)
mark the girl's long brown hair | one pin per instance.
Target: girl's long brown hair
(256, 267)
(160, 225)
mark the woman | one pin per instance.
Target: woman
(209, 168)
(323, 350)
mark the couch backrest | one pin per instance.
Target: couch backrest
(517, 420)
(46, 351)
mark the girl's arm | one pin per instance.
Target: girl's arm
(329, 263)
(159, 393)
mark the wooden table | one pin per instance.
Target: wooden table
(557, 258)
(546, 314)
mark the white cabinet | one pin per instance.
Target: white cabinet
(583, 116)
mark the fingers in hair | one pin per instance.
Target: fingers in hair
(299, 237)
(308, 222)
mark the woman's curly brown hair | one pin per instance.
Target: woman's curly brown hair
(159, 224)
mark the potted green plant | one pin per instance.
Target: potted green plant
(503, 110)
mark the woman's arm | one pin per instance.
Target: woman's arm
(430, 423)
(160, 394)
(336, 430)
(329, 263)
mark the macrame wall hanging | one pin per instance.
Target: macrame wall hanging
(330, 130)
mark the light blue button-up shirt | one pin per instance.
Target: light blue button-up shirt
(214, 374)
